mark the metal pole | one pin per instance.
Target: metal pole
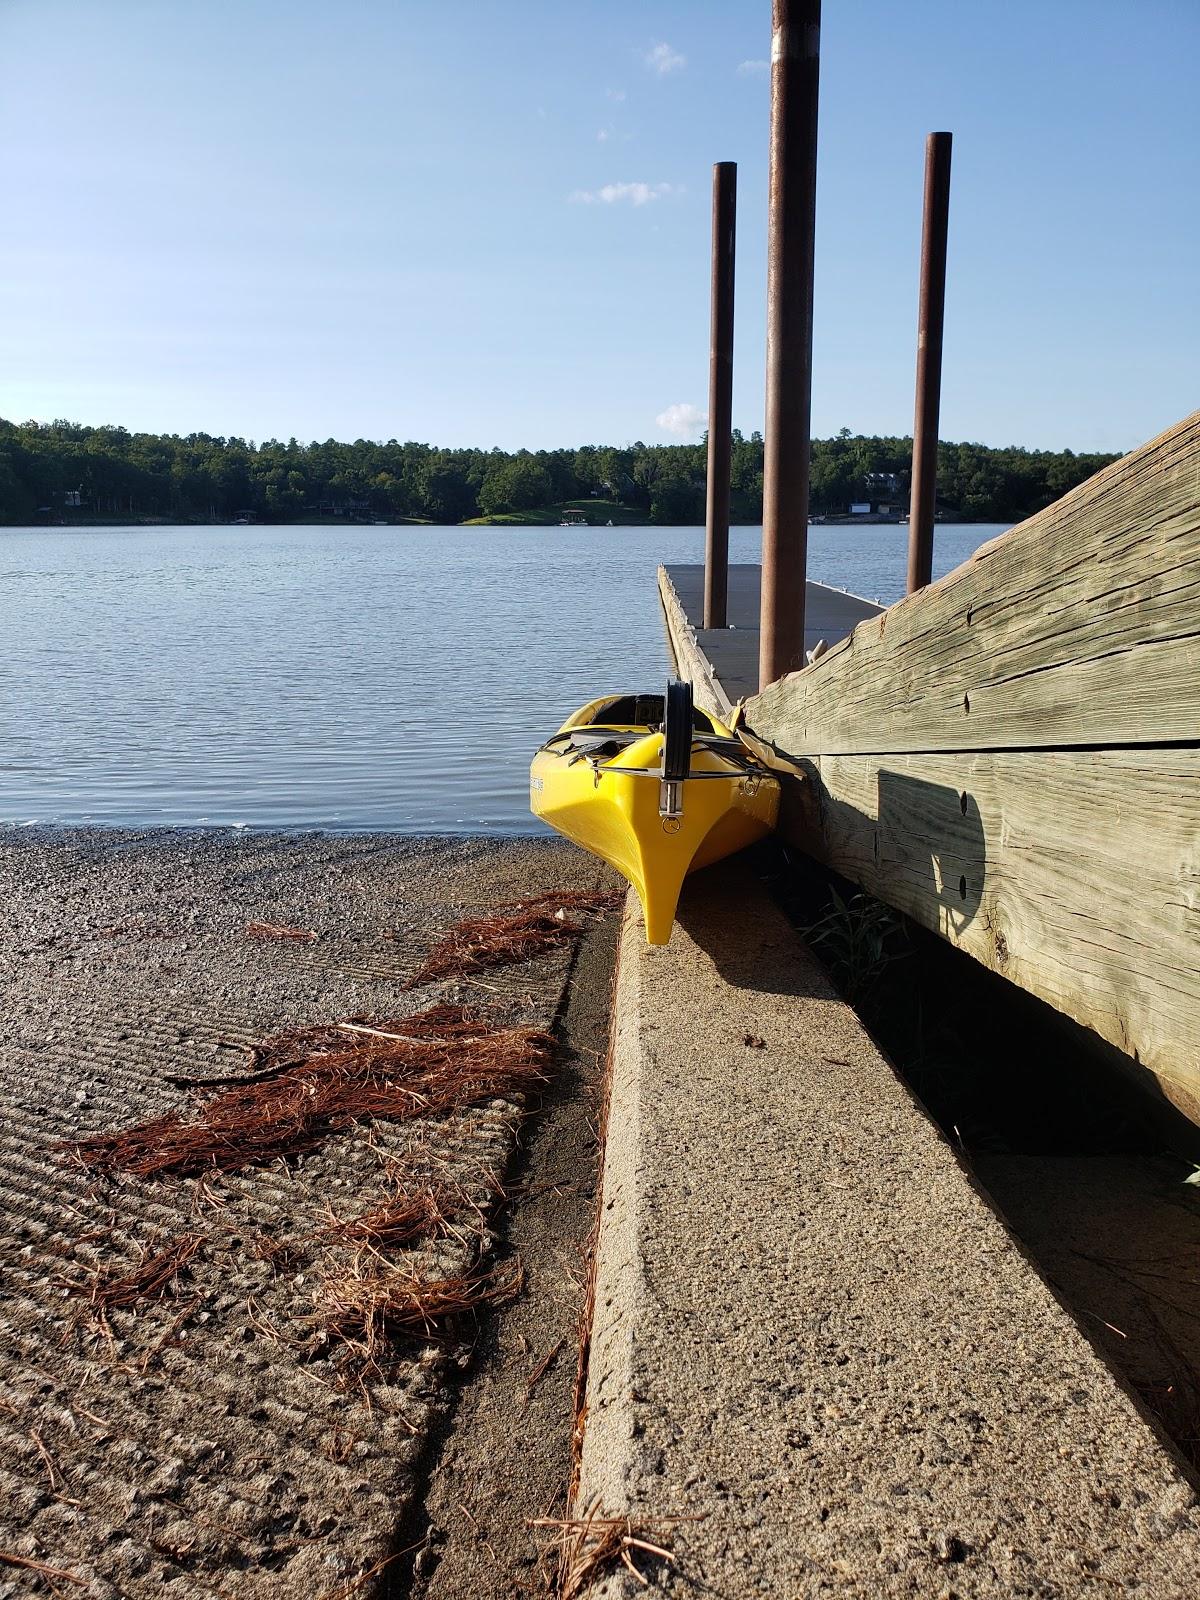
(795, 65)
(720, 395)
(923, 493)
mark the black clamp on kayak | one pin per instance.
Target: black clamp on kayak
(678, 728)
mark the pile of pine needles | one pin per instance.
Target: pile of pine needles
(403, 1218)
(515, 932)
(316, 1081)
(366, 1305)
(112, 1289)
(371, 1304)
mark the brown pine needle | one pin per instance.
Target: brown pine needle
(390, 1302)
(586, 1547)
(542, 1368)
(41, 1567)
(275, 930)
(400, 1220)
(281, 1255)
(375, 1033)
(370, 1305)
(344, 1590)
(53, 1470)
(595, 901)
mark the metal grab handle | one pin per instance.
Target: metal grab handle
(692, 777)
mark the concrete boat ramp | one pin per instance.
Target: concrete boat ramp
(815, 1342)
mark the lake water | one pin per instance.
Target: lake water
(345, 678)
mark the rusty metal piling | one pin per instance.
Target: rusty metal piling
(720, 395)
(795, 70)
(923, 493)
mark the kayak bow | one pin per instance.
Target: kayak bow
(654, 787)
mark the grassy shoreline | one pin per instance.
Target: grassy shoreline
(597, 514)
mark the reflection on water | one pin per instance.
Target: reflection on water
(393, 678)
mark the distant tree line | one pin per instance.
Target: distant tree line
(62, 470)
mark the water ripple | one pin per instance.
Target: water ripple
(393, 678)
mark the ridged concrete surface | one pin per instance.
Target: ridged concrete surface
(204, 1450)
(814, 1334)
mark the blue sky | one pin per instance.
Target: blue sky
(487, 223)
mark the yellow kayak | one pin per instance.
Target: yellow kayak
(655, 788)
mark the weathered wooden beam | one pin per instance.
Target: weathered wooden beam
(1074, 874)
(1079, 627)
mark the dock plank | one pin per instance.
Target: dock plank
(1012, 757)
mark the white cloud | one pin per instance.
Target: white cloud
(604, 134)
(685, 421)
(751, 69)
(638, 194)
(615, 94)
(662, 59)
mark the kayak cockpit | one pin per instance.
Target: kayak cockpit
(606, 728)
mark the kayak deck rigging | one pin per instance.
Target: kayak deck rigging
(655, 787)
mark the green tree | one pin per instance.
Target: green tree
(517, 484)
(201, 476)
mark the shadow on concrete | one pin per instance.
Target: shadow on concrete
(708, 915)
(928, 836)
(1075, 1147)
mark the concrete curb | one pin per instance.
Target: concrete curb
(813, 1331)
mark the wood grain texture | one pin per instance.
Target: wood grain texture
(1079, 627)
(1074, 874)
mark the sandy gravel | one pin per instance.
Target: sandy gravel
(508, 1457)
(201, 1446)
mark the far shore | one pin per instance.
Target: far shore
(551, 517)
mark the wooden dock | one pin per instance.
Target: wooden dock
(727, 658)
(1012, 755)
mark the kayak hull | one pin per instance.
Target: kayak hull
(611, 806)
